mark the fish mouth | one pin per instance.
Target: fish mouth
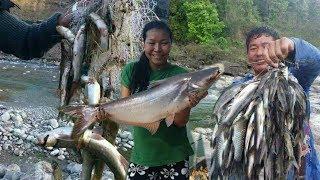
(43, 141)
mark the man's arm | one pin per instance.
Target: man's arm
(306, 61)
(27, 41)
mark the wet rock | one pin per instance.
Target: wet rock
(54, 152)
(54, 123)
(61, 157)
(3, 170)
(74, 168)
(5, 116)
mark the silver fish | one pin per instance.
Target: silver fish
(78, 52)
(66, 33)
(99, 146)
(103, 29)
(240, 101)
(60, 137)
(146, 109)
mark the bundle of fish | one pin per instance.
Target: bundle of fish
(259, 128)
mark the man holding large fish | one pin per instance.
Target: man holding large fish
(265, 50)
(158, 110)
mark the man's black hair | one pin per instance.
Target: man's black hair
(258, 32)
(141, 70)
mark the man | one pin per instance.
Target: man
(264, 50)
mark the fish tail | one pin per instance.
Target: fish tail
(82, 124)
(86, 116)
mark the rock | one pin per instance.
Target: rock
(73, 168)
(5, 116)
(54, 123)
(61, 157)
(3, 170)
(54, 152)
(17, 132)
(12, 175)
(18, 152)
(23, 115)
(44, 166)
(14, 168)
(19, 142)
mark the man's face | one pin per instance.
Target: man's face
(258, 52)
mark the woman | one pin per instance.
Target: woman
(164, 154)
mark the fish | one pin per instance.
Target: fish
(66, 33)
(65, 82)
(148, 108)
(60, 137)
(78, 53)
(103, 29)
(226, 96)
(240, 102)
(103, 149)
(265, 119)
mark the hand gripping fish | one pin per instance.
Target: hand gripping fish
(146, 109)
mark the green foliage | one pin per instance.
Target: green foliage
(195, 21)
(203, 21)
(178, 20)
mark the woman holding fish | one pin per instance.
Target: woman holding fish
(164, 154)
(265, 50)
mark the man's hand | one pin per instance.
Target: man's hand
(278, 50)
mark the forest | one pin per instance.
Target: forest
(217, 28)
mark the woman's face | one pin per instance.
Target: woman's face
(157, 47)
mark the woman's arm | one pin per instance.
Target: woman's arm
(125, 92)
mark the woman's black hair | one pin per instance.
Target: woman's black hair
(258, 32)
(141, 70)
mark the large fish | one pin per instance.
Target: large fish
(103, 149)
(146, 109)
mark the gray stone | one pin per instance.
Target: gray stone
(61, 157)
(54, 152)
(74, 168)
(14, 168)
(3, 171)
(19, 142)
(5, 116)
(54, 123)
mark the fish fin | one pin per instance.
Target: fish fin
(152, 127)
(88, 117)
(75, 111)
(169, 120)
